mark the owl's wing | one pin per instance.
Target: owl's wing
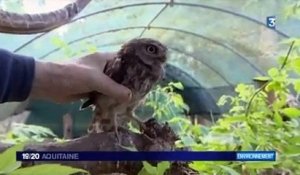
(114, 70)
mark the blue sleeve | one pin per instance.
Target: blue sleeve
(16, 76)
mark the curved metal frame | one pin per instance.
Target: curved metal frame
(192, 79)
(203, 62)
(186, 54)
(153, 19)
(162, 28)
(190, 55)
(158, 3)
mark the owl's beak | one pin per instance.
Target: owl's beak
(163, 59)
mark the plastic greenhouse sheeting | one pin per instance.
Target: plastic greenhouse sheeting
(218, 43)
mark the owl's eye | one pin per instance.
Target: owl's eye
(151, 49)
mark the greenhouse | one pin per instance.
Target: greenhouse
(231, 81)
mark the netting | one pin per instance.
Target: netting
(216, 43)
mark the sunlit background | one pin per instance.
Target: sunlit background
(214, 44)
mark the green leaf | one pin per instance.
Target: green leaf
(143, 172)
(278, 119)
(229, 170)
(292, 149)
(177, 85)
(133, 128)
(234, 119)
(48, 169)
(58, 42)
(237, 109)
(259, 165)
(162, 167)
(297, 85)
(92, 48)
(30, 130)
(295, 140)
(241, 88)
(188, 141)
(261, 78)
(291, 112)
(8, 161)
(273, 85)
(180, 120)
(177, 99)
(149, 168)
(273, 72)
(223, 100)
(293, 155)
(296, 65)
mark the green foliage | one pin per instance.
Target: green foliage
(8, 161)
(69, 52)
(292, 10)
(165, 102)
(23, 132)
(246, 126)
(291, 112)
(160, 169)
(60, 43)
(166, 105)
(259, 126)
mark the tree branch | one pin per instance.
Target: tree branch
(154, 137)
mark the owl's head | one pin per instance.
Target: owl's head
(150, 51)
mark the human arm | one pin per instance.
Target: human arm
(59, 82)
(16, 76)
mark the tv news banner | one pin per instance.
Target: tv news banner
(149, 156)
(154, 156)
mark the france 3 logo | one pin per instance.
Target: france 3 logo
(271, 22)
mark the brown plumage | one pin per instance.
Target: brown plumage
(138, 66)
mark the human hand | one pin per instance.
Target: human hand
(74, 80)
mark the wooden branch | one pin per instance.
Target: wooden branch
(154, 137)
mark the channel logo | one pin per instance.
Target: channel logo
(271, 22)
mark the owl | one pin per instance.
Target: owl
(139, 65)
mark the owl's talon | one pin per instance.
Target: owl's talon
(118, 135)
(116, 129)
(94, 128)
(149, 139)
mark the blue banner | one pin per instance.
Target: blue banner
(149, 156)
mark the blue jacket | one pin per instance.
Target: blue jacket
(16, 76)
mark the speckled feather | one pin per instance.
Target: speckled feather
(134, 69)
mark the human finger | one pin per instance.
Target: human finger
(109, 87)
